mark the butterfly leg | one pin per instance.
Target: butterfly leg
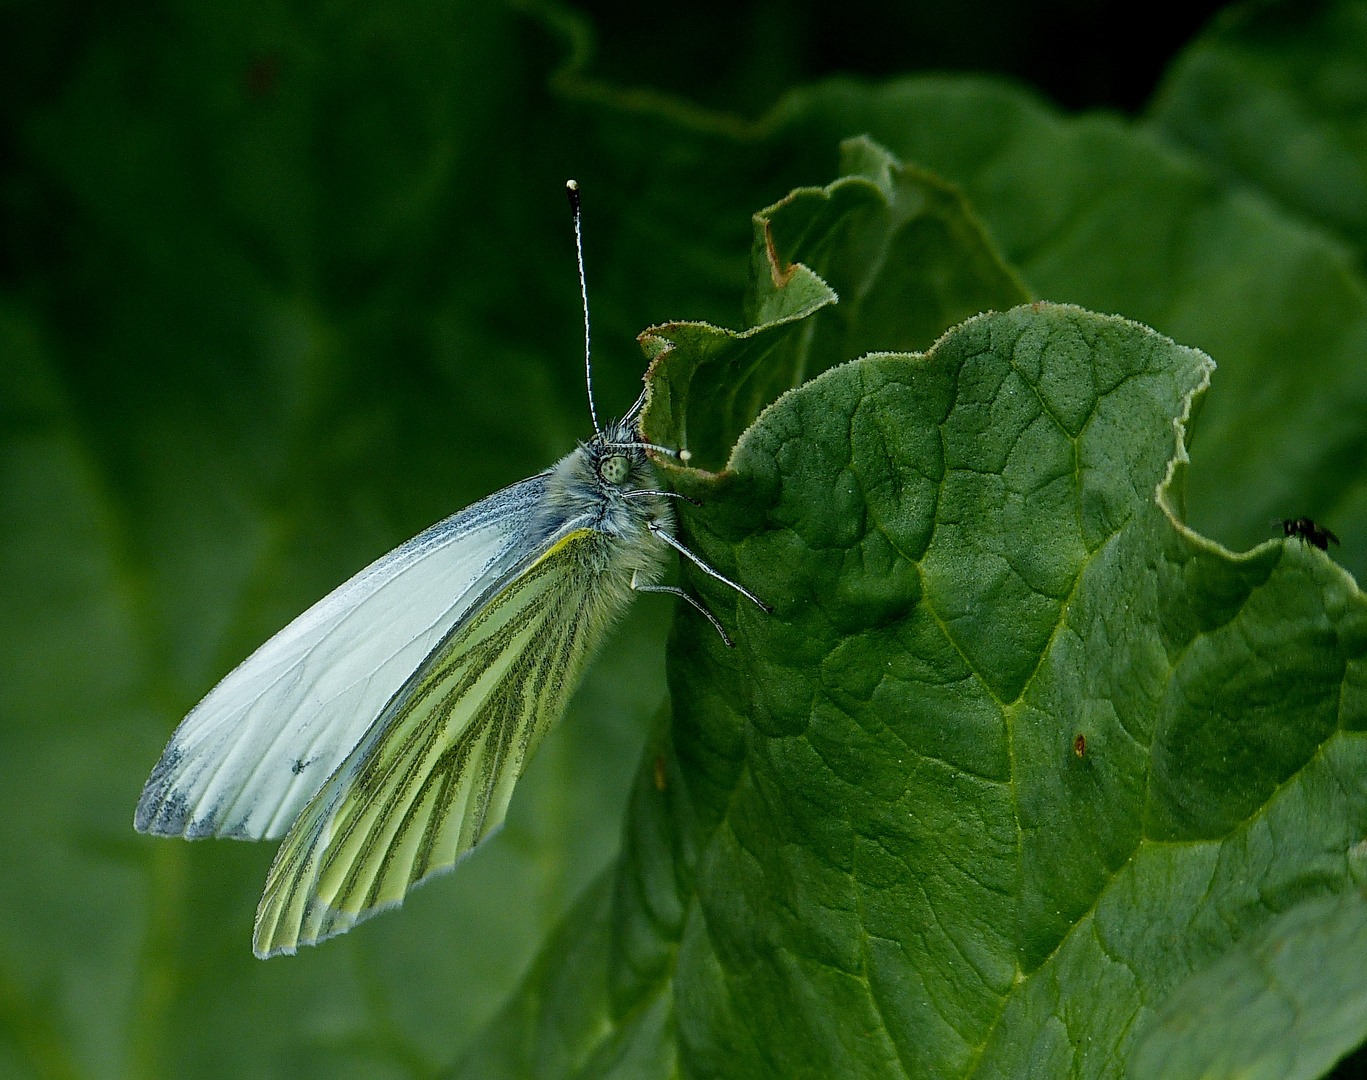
(673, 591)
(662, 535)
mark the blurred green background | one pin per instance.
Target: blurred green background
(280, 285)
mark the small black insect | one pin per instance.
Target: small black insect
(1315, 535)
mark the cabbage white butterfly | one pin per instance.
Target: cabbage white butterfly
(383, 730)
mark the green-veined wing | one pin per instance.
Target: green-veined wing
(435, 773)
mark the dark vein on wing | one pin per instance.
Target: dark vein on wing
(507, 716)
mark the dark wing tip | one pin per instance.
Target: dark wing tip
(162, 809)
(162, 812)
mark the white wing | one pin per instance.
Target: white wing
(248, 757)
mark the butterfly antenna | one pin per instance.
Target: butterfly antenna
(684, 456)
(681, 455)
(635, 409)
(572, 189)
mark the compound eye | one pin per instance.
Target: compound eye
(615, 469)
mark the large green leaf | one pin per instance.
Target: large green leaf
(1016, 755)
(1092, 211)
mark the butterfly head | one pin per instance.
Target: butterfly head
(607, 484)
(618, 457)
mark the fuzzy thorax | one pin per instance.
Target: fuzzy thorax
(591, 488)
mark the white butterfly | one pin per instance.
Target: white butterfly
(383, 730)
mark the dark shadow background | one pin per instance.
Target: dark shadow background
(725, 55)
(1081, 54)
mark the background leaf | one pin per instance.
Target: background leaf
(1294, 989)
(1274, 96)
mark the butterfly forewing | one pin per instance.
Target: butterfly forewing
(261, 744)
(436, 771)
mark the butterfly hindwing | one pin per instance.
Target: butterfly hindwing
(436, 771)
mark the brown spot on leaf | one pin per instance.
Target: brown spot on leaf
(781, 274)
